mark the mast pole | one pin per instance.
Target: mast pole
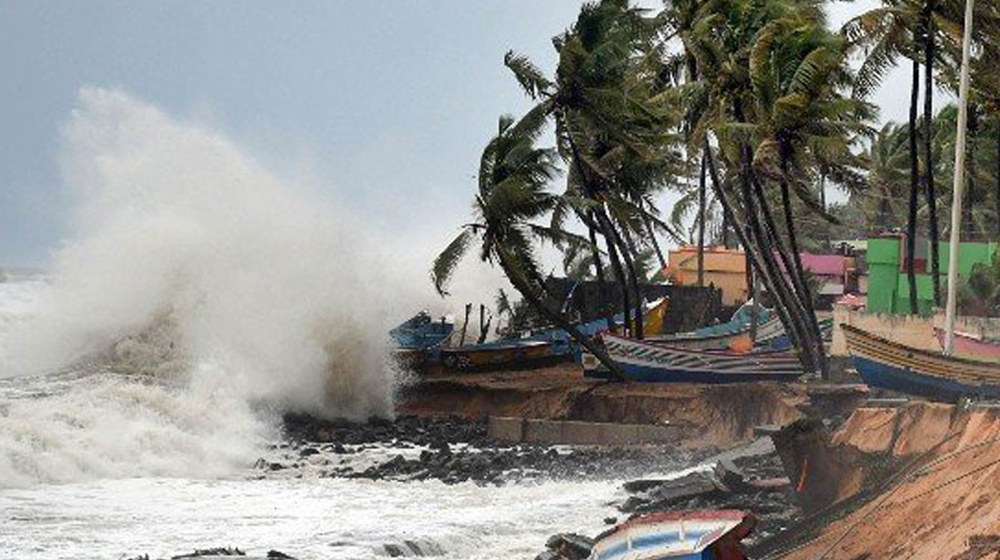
(959, 186)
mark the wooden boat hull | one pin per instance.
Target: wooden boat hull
(491, 357)
(967, 346)
(654, 363)
(769, 330)
(889, 365)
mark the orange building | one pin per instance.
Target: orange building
(725, 269)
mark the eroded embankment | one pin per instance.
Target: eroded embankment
(709, 415)
(929, 475)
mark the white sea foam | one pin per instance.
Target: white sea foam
(186, 252)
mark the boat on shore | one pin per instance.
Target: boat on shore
(499, 355)
(657, 363)
(970, 346)
(725, 335)
(890, 365)
(694, 535)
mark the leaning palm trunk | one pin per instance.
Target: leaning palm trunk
(911, 225)
(744, 235)
(767, 236)
(531, 295)
(932, 221)
(630, 255)
(800, 274)
(599, 270)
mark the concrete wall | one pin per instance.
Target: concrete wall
(526, 430)
(906, 329)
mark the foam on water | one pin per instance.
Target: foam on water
(184, 253)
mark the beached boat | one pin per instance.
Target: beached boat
(420, 331)
(657, 363)
(499, 355)
(890, 365)
(696, 535)
(726, 335)
(972, 347)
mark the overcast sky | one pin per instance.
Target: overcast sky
(382, 105)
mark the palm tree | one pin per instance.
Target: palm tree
(610, 132)
(803, 124)
(513, 179)
(725, 38)
(888, 33)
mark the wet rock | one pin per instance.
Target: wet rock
(220, 551)
(276, 466)
(307, 451)
(570, 546)
(413, 548)
(610, 520)
(278, 555)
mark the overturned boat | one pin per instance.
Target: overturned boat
(696, 535)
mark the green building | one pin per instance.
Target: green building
(888, 286)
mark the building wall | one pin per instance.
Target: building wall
(725, 269)
(888, 285)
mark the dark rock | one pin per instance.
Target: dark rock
(307, 451)
(220, 551)
(610, 520)
(276, 466)
(339, 449)
(411, 548)
(547, 555)
(570, 545)
(278, 555)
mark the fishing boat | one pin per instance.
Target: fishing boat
(417, 336)
(657, 363)
(499, 355)
(696, 535)
(971, 346)
(890, 365)
(726, 335)
(420, 331)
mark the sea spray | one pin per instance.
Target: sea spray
(260, 293)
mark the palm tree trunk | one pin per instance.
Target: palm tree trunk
(701, 223)
(743, 237)
(630, 256)
(602, 301)
(932, 222)
(533, 298)
(786, 202)
(606, 230)
(997, 193)
(911, 226)
(619, 272)
(656, 244)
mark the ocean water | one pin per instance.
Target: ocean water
(195, 297)
(98, 464)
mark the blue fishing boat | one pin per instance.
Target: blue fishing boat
(696, 535)
(656, 363)
(420, 331)
(890, 365)
(725, 335)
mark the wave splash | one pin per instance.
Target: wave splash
(191, 264)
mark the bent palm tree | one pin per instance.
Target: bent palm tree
(513, 176)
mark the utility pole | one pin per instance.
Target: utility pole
(959, 186)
